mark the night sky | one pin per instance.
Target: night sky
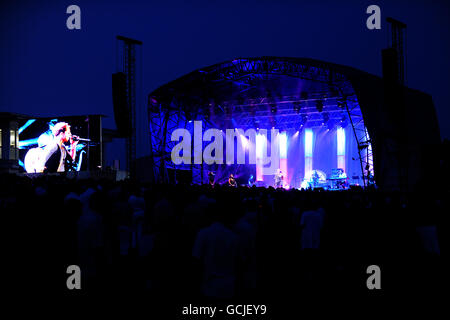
(49, 70)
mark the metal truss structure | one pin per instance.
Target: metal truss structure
(363, 141)
(239, 68)
(162, 122)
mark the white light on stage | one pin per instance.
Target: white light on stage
(260, 145)
(283, 145)
(308, 142)
(308, 152)
(341, 148)
(340, 142)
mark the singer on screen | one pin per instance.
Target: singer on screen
(57, 156)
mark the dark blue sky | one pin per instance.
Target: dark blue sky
(47, 69)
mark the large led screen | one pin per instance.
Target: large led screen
(60, 144)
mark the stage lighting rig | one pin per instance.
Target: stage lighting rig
(228, 109)
(206, 112)
(304, 95)
(319, 105)
(304, 119)
(330, 125)
(297, 106)
(341, 104)
(326, 118)
(343, 123)
(273, 108)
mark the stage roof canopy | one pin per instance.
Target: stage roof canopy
(272, 91)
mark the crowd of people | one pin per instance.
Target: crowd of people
(219, 243)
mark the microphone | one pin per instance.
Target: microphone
(77, 138)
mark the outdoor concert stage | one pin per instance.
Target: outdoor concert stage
(327, 117)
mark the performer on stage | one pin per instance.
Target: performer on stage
(278, 179)
(211, 177)
(342, 183)
(342, 174)
(232, 181)
(315, 179)
(251, 181)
